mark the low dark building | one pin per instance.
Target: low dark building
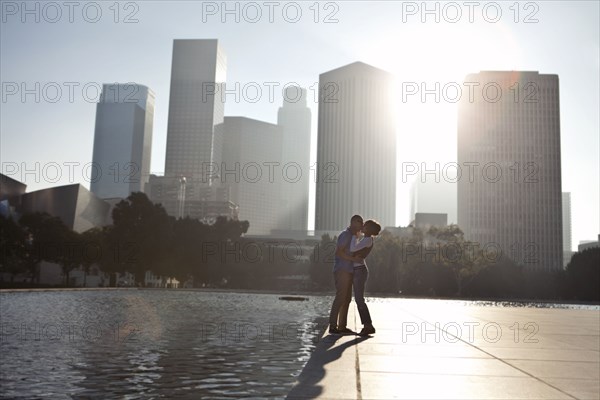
(76, 206)
(10, 194)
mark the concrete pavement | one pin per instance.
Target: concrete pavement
(432, 349)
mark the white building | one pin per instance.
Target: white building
(566, 223)
(194, 143)
(252, 168)
(509, 136)
(122, 140)
(356, 147)
(430, 196)
(588, 244)
(295, 121)
(425, 221)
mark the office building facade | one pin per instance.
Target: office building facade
(251, 166)
(356, 147)
(566, 224)
(509, 194)
(194, 141)
(294, 118)
(122, 140)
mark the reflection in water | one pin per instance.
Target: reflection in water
(154, 343)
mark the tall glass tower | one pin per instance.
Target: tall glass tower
(194, 142)
(122, 140)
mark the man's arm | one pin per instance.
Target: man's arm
(339, 251)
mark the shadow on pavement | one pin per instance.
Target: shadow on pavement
(307, 386)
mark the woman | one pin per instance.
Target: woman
(362, 247)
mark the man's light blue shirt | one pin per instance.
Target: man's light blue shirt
(340, 264)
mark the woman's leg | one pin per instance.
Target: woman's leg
(360, 279)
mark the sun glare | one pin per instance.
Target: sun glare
(429, 63)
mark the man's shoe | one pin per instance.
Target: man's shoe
(346, 331)
(367, 330)
(334, 330)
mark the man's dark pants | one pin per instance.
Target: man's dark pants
(343, 295)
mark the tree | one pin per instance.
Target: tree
(321, 262)
(113, 258)
(92, 246)
(385, 264)
(140, 236)
(583, 273)
(220, 247)
(13, 247)
(71, 253)
(186, 250)
(499, 279)
(438, 262)
(44, 239)
(463, 258)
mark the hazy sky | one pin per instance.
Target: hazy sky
(83, 46)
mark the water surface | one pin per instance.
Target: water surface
(154, 343)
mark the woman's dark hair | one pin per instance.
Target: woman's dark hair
(373, 226)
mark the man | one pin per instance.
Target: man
(343, 269)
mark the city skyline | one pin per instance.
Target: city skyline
(515, 49)
(314, 199)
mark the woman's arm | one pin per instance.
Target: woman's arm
(366, 241)
(340, 250)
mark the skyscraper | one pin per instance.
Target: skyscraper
(356, 147)
(122, 140)
(566, 218)
(251, 152)
(509, 194)
(566, 226)
(195, 108)
(295, 120)
(194, 136)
